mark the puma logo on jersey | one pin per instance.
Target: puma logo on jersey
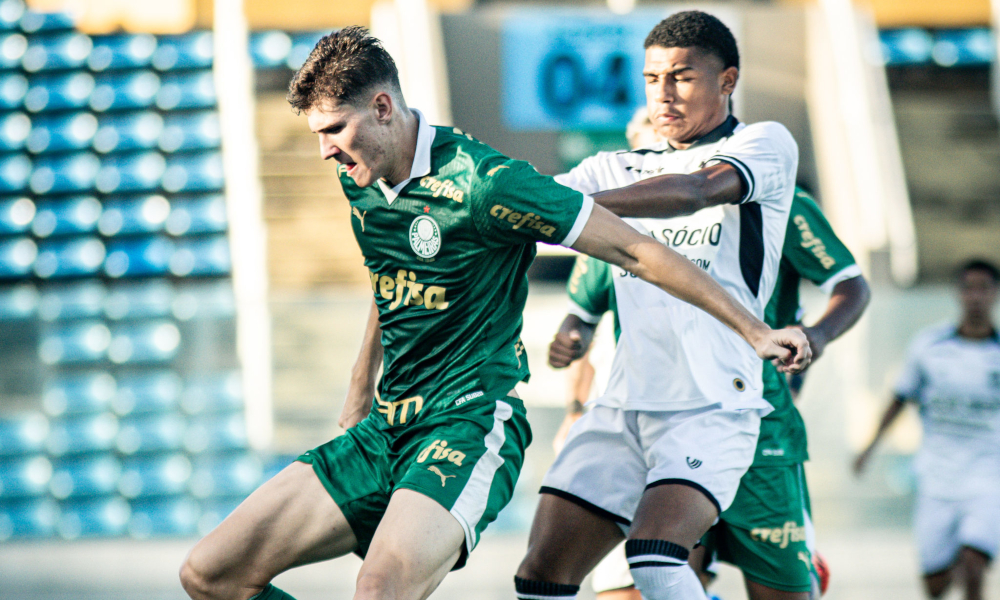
(405, 290)
(360, 215)
(496, 169)
(442, 187)
(438, 472)
(694, 463)
(789, 532)
(441, 451)
(813, 243)
(804, 557)
(528, 221)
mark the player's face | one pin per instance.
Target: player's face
(687, 92)
(354, 136)
(978, 292)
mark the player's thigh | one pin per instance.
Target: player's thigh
(979, 526)
(936, 527)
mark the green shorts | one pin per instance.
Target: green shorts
(465, 457)
(767, 531)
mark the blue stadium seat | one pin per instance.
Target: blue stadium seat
(61, 133)
(139, 299)
(187, 51)
(16, 214)
(68, 216)
(194, 89)
(151, 433)
(77, 300)
(200, 172)
(130, 89)
(11, 12)
(82, 435)
(13, 88)
(148, 391)
(23, 434)
(220, 432)
(197, 214)
(144, 342)
(17, 257)
(93, 475)
(302, 45)
(200, 299)
(201, 256)
(138, 257)
(191, 131)
(19, 301)
(964, 47)
(213, 393)
(12, 47)
(56, 52)
(74, 342)
(14, 131)
(64, 174)
(122, 51)
(156, 475)
(269, 49)
(906, 46)
(15, 170)
(164, 517)
(69, 258)
(124, 215)
(97, 517)
(141, 172)
(117, 132)
(39, 22)
(28, 519)
(56, 92)
(214, 510)
(76, 393)
(24, 477)
(226, 475)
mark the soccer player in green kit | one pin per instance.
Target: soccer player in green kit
(448, 228)
(766, 532)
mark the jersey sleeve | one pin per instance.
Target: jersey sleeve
(911, 380)
(766, 157)
(585, 177)
(512, 203)
(590, 287)
(812, 247)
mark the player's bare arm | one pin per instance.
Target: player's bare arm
(610, 239)
(846, 305)
(361, 389)
(675, 194)
(891, 412)
(571, 341)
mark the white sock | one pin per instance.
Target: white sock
(660, 571)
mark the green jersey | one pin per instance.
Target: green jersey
(811, 251)
(447, 252)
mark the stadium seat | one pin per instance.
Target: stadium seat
(14, 131)
(74, 342)
(151, 433)
(82, 435)
(269, 49)
(82, 299)
(117, 91)
(15, 170)
(138, 257)
(68, 216)
(13, 88)
(69, 258)
(186, 90)
(963, 47)
(19, 301)
(147, 391)
(97, 517)
(56, 92)
(117, 132)
(214, 510)
(164, 517)
(24, 434)
(197, 214)
(61, 51)
(11, 12)
(155, 475)
(131, 173)
(17, 257)
(139, 299)
(76, 393)
(12, 47)
(133, 214)
(16, 214)
(302, 45)
(65, 132)
(144, 342)
(187, 51)
(122, 51)
(194, 173)
(226, 475)
(201, 256)
(24, 477)
(28, 519)
(64, 174)
(204, 299)
(190, 131)
(93, 475)
(225, 431)
(39, 22)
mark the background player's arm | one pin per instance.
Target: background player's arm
(846, 305)
(361, 389)
(675, 195)
(571, 342)
(891, 412)
(610, 239)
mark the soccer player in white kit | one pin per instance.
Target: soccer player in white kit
(952, 373)
(661, 453)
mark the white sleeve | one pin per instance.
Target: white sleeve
(584, 178)
(767, 158)
(911, 380)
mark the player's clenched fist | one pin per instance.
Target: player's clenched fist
(565, 348)
(788, 349)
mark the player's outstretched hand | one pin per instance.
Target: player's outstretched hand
(788, 349)
(565, 348)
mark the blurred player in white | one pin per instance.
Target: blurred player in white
(952, 373)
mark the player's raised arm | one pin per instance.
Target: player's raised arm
(610, 239)
(675, 194)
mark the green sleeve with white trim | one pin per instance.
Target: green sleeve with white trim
(811, 246)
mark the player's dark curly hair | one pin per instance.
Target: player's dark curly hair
(341, 67)
(696, 29)
(979, 264)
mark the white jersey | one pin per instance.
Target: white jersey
(671, 355)
(956, 383)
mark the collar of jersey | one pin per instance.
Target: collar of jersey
(994, 337)
(722, 131)
(421, 158)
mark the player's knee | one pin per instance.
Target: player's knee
(375, 586)
(198, 579)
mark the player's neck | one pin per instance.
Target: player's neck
(710, 126)
(408, 127)
(976, 328)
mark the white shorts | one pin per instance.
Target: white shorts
(943, 527)
(612, 456)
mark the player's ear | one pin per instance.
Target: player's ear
(383, 106)
(728, 79)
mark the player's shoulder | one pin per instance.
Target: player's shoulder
(764, 132)
(929, 337)
(457, 149)
(803, 202)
